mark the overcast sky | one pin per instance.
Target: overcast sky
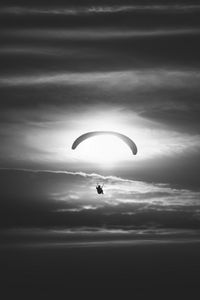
(69, 68)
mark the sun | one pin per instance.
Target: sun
(106, 150)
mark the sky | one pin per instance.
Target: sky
(77, 66)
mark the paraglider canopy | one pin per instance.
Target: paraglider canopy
(123, 137)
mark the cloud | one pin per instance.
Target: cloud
(98, 10)
(166, 96)
(95, 34)
(94, 237)
(62, 198)
(30, 50)
(62, 50)
(78, 209)
(121, 80)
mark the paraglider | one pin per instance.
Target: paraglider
(99, 189)
(123, 137)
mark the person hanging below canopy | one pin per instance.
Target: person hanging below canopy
(99, 189)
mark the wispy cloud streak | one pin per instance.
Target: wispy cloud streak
(118, 191)
(63, 198)
(125, 79)
(91, 10)
(95, 34)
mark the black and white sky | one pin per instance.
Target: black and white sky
(68, 67)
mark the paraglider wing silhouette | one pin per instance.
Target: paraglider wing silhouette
(123, 137)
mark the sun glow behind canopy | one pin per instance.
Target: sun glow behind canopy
(52, 142)
(106, 149)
